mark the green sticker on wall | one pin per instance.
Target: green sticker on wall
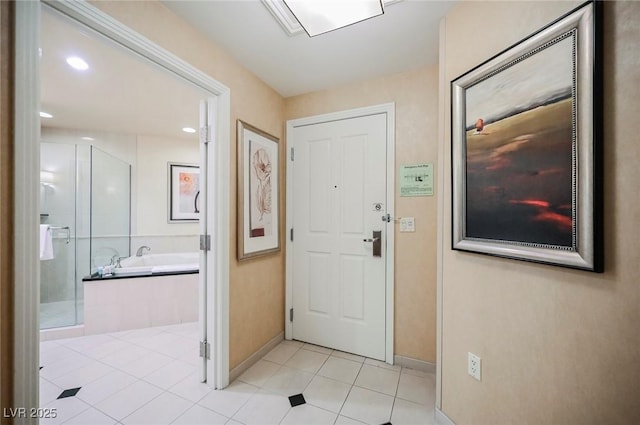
(416, 180)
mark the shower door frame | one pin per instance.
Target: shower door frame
(26, 208)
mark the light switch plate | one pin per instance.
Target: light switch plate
(407, 224)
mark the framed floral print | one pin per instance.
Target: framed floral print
(258, 192)
(184, 192)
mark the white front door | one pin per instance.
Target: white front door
(339, 200)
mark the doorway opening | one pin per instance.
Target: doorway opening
(213, 158)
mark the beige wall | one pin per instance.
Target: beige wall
(415, 96)
(558, 346)
(256, 286)
(152, 194)
(6, 206)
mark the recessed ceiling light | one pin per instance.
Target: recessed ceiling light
(45, 115)
(87, 138)
(77, 63)
(189, 130)
(318, 17)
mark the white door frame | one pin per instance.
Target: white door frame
(27, 173)
(389, 110)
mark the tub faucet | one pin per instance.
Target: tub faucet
(115, 261)
(141, 250)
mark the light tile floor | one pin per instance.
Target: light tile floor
(150, 376)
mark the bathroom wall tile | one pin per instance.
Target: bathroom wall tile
(164, 309)
(187, 296)
(133, 311)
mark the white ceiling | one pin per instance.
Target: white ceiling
(123, 93)
(120, 92)
(404, 38)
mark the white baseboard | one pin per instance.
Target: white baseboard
(442, 419)
(414, 364)
(61, 333)
(239, 370)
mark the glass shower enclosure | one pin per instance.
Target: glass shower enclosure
(85, 200)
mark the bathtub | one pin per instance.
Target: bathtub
(158, 263)
(146, 291)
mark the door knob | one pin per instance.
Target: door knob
(377, 243)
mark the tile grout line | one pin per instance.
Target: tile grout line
(191, 403)
(114, 369)
(349, 393)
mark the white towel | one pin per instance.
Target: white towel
(46, 242)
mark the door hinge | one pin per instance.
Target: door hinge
(205, 242)
(204, 133)
(205, 350)
(292, 154)
(291, 314)
(291, 234)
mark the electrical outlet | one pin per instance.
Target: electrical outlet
(474, 366)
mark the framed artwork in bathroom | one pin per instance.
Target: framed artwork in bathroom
(525, 148)
(258, 192)
(184, 192)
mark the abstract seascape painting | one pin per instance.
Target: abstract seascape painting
(524, 149)
(519, 151)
